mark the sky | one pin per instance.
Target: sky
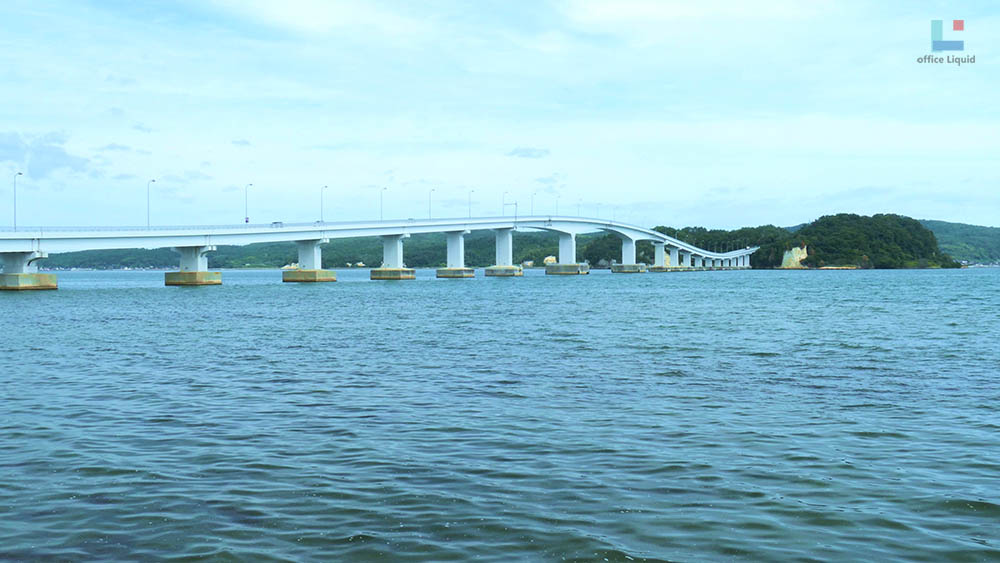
(655, 112)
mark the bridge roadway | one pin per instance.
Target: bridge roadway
(22, 249)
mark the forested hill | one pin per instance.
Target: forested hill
(879, 241)
(970, 243)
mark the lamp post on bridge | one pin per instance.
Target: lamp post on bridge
(246, 204)
(321, 190)
(515, 209)
(429, 192)
(152, 181)
(470, 203)
(15, 198)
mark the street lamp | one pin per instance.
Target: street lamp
(470, 203)
(15, 198)
(147, 202)
(246, 208)
(381, 202)
(429, 192)
(321, 190)
(515, 209)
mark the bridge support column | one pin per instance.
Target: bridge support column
(504, 267)
(456, 258)
(194, 268)
(685, 259)
(660, 263)
(698, 261)
(745, 261)
(567, 266)
(675, 260)
(310, 264)
(393, 267)
(21, 273)
(628, 265)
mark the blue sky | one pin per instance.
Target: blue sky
(712, 113)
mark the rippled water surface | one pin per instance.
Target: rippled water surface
(685, 416)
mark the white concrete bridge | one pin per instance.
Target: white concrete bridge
(21, 250)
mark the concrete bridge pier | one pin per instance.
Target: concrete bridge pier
(628, 265)
(567, 265)
(698, 262)
(685, 259)
(310, 264)
(456, 257)
(660, 263)
(194, 268)
(21, 273)
(504, 267)
(393, 267)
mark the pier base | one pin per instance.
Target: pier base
(504, 271)
(308, 276)
(628, 268)
(660, 269)
(24, 282)
(192, 278)
(567, 269)
(456, 273)
(393, 274)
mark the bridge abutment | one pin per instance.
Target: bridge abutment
(310, 268)
(194, 268)
(456, 257)
(393, 267)
(504, 267)
(567, 265)
(628, 264)
(20, 272)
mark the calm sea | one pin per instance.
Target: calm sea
(818, 415)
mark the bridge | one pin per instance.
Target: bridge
(22, 249)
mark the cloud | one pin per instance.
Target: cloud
(114, 147)
(123, 177)
(186, 177)
(325, 16)
(142, 128)
(40, 155)
(241, 143)
(529, 152)
(552, 183)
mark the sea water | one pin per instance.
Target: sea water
(697, 416)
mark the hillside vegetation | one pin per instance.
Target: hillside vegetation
(970, 243)
(879, 241)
